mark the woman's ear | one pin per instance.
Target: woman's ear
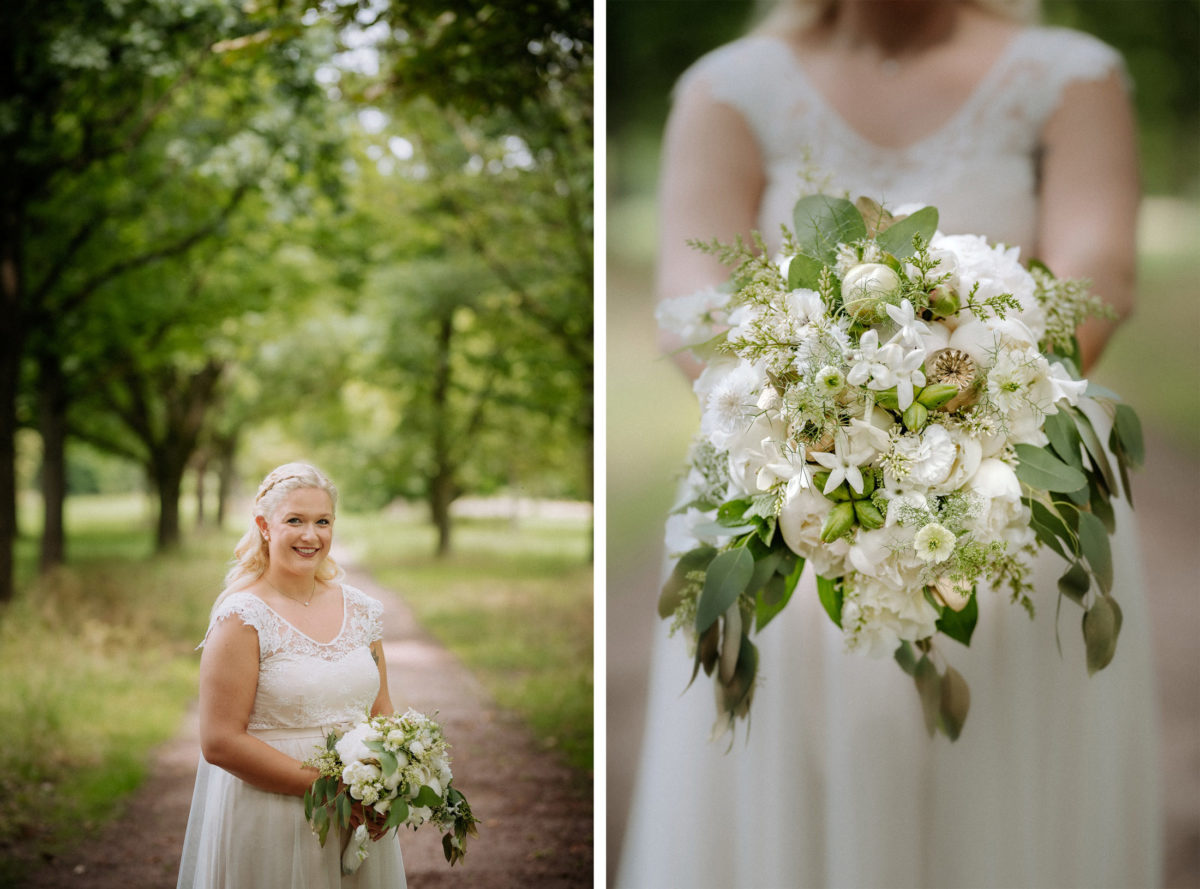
(262, 524)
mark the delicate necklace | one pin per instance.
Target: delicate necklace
(293, 598)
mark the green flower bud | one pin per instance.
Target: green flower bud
(888, 398)
(840, 493)
(868, 514)
(916, 416)
(943, 301)
(937, 394)
(838, 522)
(868, 483)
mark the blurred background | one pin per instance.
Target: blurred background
(236, 233)
(1153, 361)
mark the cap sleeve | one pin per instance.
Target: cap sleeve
(1062, 57)
(368, 614)
(746, 75)
(253, 612)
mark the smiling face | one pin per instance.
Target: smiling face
(301, 530)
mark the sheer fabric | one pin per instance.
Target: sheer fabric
(1054, 781)
(239, 836)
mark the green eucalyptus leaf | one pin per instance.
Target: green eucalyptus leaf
(731, 513)
(1064, 438)
(727, 577)
(776, 594)
(1100, 633)
(427, 797)
(693, 560)
(954, 704)
(1126, 434)
(764, 569)
(1093, 542)
(375, 745)
(1050, 528)
(397, 814)
(1042, 470)
(343, 810)
(1075, 583)
(804, 272)
(1095, 390)
(822, 222)
(1091, 441)
(1118, 617)
(959, 625)
(320, 823)
(830, 594)
(929, 687)
(897, 239)
(905, 658)
(1100, 505)
(387, 762)
(718, 529)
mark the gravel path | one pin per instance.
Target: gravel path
(536, 813)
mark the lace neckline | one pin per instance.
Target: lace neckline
(341, 630)
(962, 112)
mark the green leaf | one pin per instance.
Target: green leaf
(898, 238)
(308, 804)
(1091, 441)
(1075, 583)
(427, 797)
(959, 625)
(766, 529)
(320, 823)
(727, 578)
(397, 814)
(764, 569)
(693, 560)
(1095, 390)
(929, 687)
(387, 762)
(1093, 541)
(804, 272)
(1100, 505)
(1042, 470)
(1100, 633)
(822, 222)
(343, 810)
(718, 529)
(905, 658)
(730, 514)
(776, 594)
(1126, 434)
(954, 704)
(375, 745)
(1049, 528)
(1064, 438)
(831, 596)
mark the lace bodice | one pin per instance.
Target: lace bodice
(302, 682)
(979, 168)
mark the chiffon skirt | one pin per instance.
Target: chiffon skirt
(1053, 782)
(240, 837)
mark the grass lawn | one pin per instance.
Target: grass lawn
(514, 603)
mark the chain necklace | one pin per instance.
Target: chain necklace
(293, 598)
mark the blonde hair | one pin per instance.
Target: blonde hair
(792, 15)
(251, 557)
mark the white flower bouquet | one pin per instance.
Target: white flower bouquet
(902, 409)
(388, 771)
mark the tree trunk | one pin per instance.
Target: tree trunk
(441, 484)
(441, 495)
(226, 451)
(168, 482)
(12, 343)
(52, 423)
(201, 470)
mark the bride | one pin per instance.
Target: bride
(291, 652)
(1022, 134)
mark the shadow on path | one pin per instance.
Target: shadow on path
(536, 813)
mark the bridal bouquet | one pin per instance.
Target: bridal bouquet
(398, 769)
(902, 409)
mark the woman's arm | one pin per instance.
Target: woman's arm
(383, 700)
(1089, 197)
(228, 682)
(711, 184)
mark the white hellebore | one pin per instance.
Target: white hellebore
(934, 543)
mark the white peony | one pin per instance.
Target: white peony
(694, 318)
(351, 746)
(997, 270)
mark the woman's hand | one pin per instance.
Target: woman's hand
(361, 814)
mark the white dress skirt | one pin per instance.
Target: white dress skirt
(1054, 781)
(240, 837)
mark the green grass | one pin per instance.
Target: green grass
(513, 603)
(99, 668)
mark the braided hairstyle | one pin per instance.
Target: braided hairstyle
(251, 556)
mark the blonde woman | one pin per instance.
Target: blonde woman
(1023, 134)
(291, 652)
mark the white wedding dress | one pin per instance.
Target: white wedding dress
(240, 837)
(1054, 781)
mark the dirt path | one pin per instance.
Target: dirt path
(536, 813)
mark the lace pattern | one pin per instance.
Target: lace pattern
(982, 156)
(302, 682)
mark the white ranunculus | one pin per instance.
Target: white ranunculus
(968, 452)
(1003, 516)
(800, 523)
(930, 455)
(953, 594)
(866, 286)
(752, 449)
